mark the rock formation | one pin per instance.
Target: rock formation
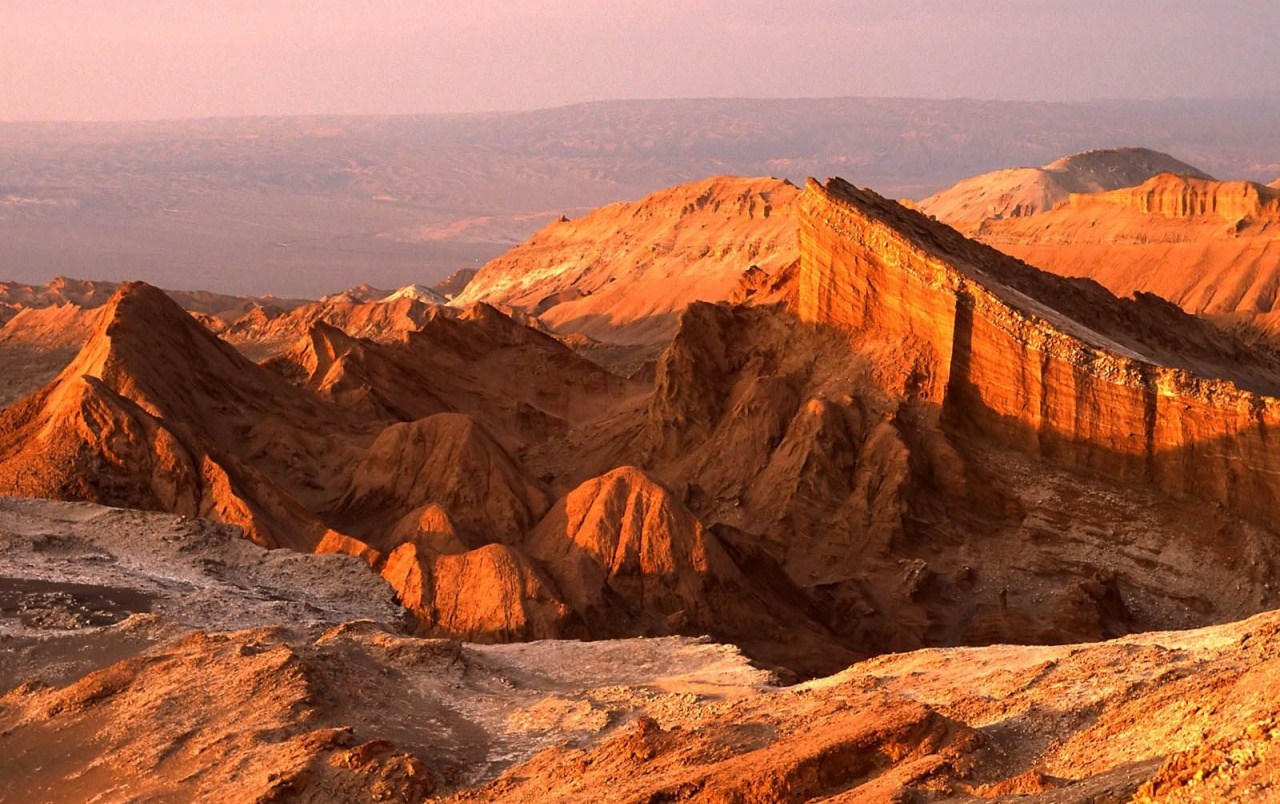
(157, 413)
(43, 326)
(268, 332)
(1051, 367)
(901, 439)
(456, 282)
(624, 272)
(1205, 245)
(911, 448)
(449, 460)
(1212, 242)
(164, 657)
(1019, 192)
(490, 594)
(1181, 196)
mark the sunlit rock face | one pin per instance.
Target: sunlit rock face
(1055, 367)
(1191, 197)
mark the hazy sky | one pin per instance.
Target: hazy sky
(95, 60)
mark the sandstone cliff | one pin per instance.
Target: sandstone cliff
(948, 446)
(1179, 196)
(1207, 246)
(1054, 368)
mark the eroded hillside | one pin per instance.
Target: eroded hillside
(902, 439)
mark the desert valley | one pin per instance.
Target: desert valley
(745, 489)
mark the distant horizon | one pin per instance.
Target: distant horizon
(139, 60)
(1261, 97)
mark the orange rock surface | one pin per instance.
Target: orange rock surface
(1208, 246)
(624, 272)
(1019, 192)
(902, 439)
(1053, 368)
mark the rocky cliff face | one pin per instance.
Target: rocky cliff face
(1209, 247)
(944, 446)
(1191, 197)
(1046, 366)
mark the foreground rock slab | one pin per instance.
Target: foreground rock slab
(152, 657)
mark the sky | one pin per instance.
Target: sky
(151, 59)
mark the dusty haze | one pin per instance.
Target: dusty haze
(139, 59)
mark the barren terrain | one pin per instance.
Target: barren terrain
(308, 206)
(164, 658)
(888, 516)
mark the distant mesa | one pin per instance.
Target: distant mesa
(1208, 246)
(1019, 192)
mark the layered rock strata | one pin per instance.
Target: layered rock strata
(1048, 366)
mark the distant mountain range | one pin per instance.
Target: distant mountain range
(307, 206)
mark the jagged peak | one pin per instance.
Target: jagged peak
(315, 352)
(142, 327)
(627, 521)
(359, 294)
(456, 282)
(449, 459)
(483, 312)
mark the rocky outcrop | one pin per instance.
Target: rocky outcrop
(430, 530)
(524, 384)
(1176, 196)
(1056, 369)
(491, 594)
(155, 412)
(630, 558)
(456, 282)
(1024, 191)
(621, 546)
(624, 272)
(1170, 717)
(449, 460)
(266, 332)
